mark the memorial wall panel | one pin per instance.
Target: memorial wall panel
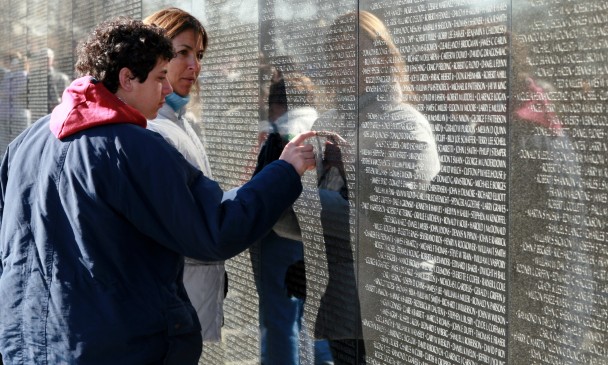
(558, 193)
(457, 212)
(433, 240)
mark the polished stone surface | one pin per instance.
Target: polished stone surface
(459, 217)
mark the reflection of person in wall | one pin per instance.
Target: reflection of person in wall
(380, 108)
(205, 282)
(14, 112)
(98, 213)
(57, 81)
(536, 199)
(278, 259)
(542, 189)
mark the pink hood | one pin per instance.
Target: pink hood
(538, 110)
(86, 103)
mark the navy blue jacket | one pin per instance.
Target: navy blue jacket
(94, 228)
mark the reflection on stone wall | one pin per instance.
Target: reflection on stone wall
(437, 254)
(558, 189)
(457, 214)
(37, 54)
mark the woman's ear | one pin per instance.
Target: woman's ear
(125, 77)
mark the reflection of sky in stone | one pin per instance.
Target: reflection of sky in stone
(244, 11)
(286, 11)
(300, 19)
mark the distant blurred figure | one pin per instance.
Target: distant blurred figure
(57, 81)
(14, 113)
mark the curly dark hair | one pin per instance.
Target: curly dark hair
(123, 42)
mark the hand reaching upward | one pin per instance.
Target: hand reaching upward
(298, 154)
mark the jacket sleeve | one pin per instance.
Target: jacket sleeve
(172, 202)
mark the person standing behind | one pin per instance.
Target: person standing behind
(97, 214)
(205, 282)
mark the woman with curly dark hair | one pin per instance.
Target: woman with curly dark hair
(98, 213)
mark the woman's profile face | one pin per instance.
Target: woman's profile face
(185, 67)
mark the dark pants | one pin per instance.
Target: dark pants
(184, 350)
(280, 317)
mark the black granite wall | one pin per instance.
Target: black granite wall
(459, 217)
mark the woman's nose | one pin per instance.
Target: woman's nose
(194, 64)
